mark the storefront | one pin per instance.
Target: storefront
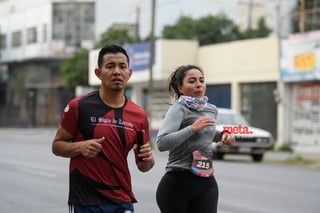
(300, 74)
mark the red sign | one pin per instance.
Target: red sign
(309, 92)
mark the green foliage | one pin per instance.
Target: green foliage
(262, 31)
(184, 29)
(216, 29)
(212, 29)
(115, 36)
(285, 148)
(75, 69)
(299, 160)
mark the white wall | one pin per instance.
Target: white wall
(18, 15)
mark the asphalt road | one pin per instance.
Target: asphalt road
(33, 180)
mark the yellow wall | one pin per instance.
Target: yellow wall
(240, 61)
(173, 53)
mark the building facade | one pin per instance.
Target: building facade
(300, 80)
(242, 75)
(36, 36)
(281, 96)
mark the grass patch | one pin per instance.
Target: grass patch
(285, 148)
(299, 161)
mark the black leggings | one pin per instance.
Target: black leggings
(184, 192)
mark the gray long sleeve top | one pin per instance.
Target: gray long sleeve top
(176, 135)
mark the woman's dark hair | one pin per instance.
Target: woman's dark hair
(176, 79)
(113, 48)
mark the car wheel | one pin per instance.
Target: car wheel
(257, 157)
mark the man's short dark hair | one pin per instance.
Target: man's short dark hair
(113, 48)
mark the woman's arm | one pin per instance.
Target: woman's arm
(170, 134)
(225, 137)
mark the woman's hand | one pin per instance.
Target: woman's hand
(201, 123)
(227, 138)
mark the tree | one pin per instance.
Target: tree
(115, 36)
(75, 69)
(207, 30)
(211, 29)
(261, 31)
(216, 29)
(184, 29)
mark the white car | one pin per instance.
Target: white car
(249, 140)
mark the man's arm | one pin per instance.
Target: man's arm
(145, 154)
(62, 146)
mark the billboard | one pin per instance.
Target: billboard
(139, 56)
(300, 57)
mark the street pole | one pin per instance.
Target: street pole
(152, 47)
(251, 6)
(279, 92)
(137, 24)
(0, 42)
(302, 16)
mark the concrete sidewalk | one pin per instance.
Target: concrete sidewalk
(308, 160)
(273, 155)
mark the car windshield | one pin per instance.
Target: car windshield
(231, 119)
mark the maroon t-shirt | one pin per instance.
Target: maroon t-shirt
(104, 179)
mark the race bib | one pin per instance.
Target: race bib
(201, 166)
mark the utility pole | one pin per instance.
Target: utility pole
(137, 24)
(279, 92)
(0, 42)
(152, 45)
(251, 4)
(278, 23)
(302, 24)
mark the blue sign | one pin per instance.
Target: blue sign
(139, 56)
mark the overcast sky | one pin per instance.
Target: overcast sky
(169, 11)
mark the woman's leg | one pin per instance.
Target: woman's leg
(173, 193)
(206, 201)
